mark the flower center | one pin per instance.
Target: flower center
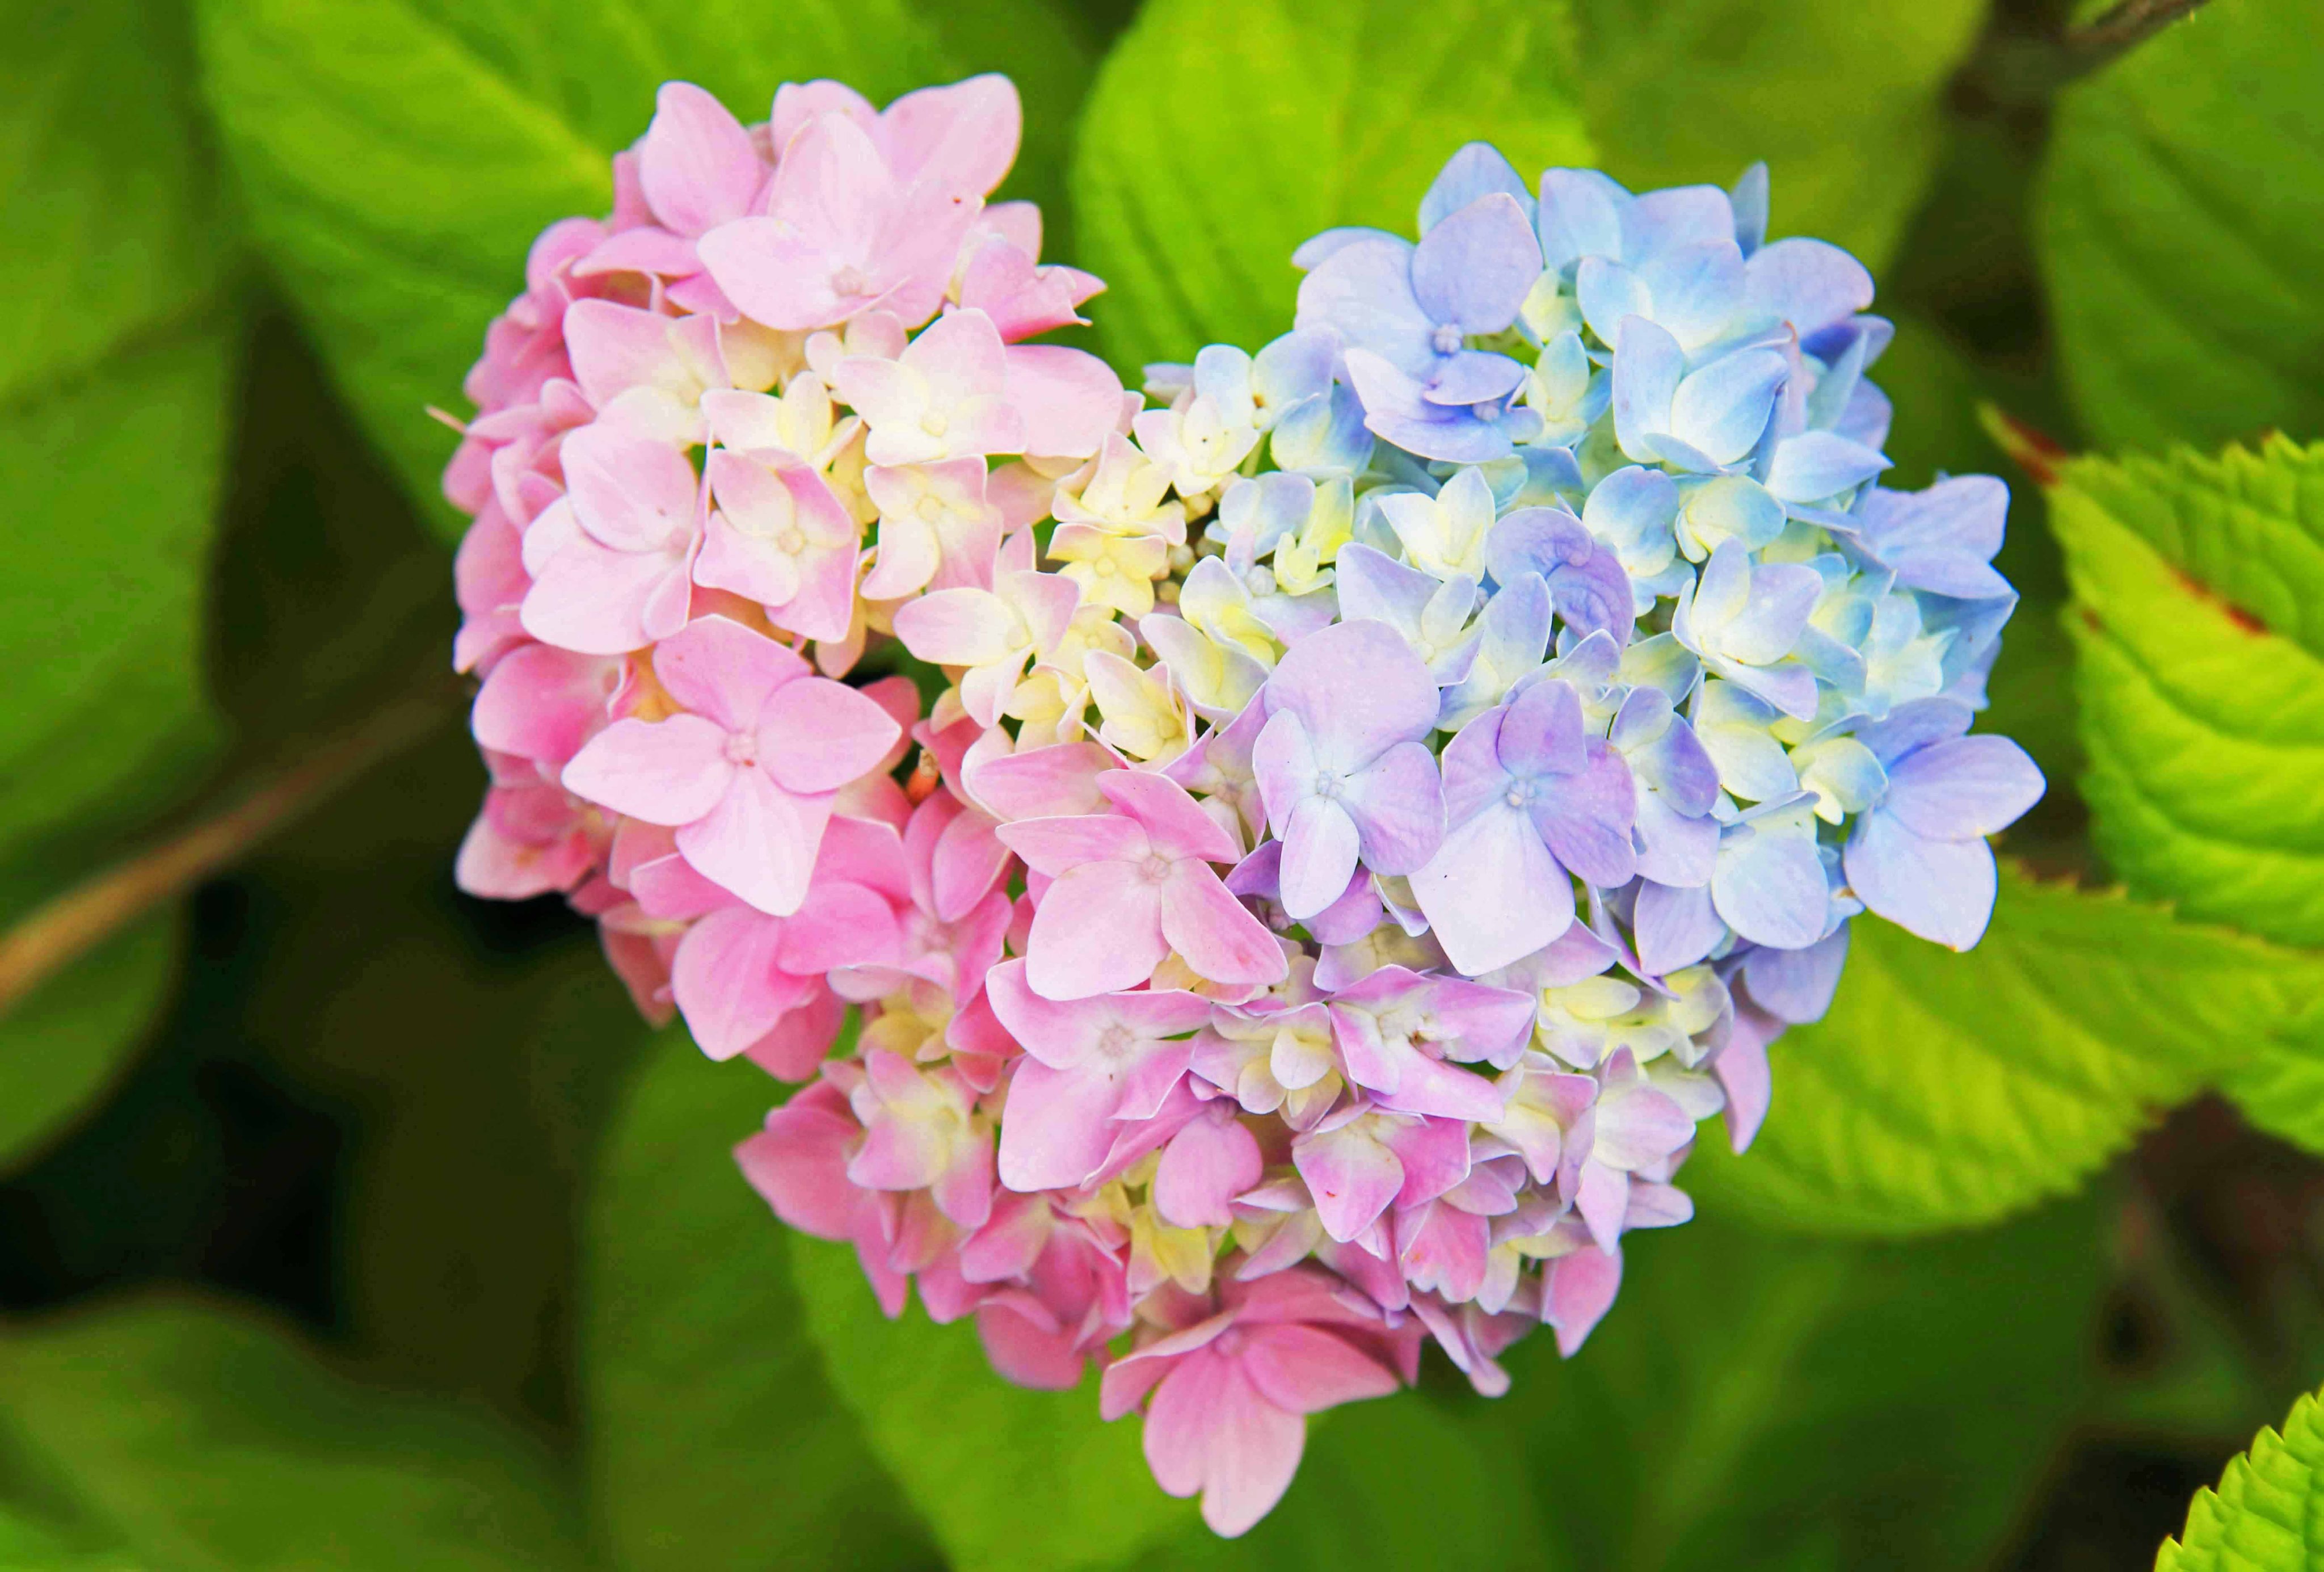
(1521, 793)
(933, 423)
(930, 509)
(790, 543)
(1447, 339)
(1155, 868)
(741, 748)
(1327, 785)
(1115, 1042)
(1230, 1342)
(851, 279)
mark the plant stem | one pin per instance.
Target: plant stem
(56, 934)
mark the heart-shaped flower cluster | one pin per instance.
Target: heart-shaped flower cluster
(1375, 804)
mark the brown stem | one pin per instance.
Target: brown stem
(2121, 28)
(68, 927)
(2020, 63)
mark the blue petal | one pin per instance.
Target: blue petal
(1647, 367)
(1749, 199)
(1721, 408)
(1477, 170)
(1475, 268)
(1579, 215)
(1809, 284)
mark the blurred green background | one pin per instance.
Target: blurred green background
(347, 1222)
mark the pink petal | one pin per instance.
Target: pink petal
(1305, 1370)
(1177, 827)
(1218, 936)
(968, 860)
(1208, 1428)
(717, 667)
(670, 772)
(727, 983)
(1099, 930)
(816, 735)
(1057, 780)
(1204, 1168)
(1025, 1352)
(695, 164)
(799, 1163)
(542, 703)
(1056, 1128)
(1068, 399)
(629, 494)
(962, 137)
(798, 1041)
(840, 925)
(592, 599)
(759, 841)
(955, 627)
(1059, 846)
(1579, 1290)
(615, 349)
(1352, 1177)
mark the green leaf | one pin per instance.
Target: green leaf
(207, 1439)
(2267, 1515)
(1840, 98)
(2180, 223)
(112, 221)
(1006, 1477)
(62, 1044)
(2199, 620)
(114, 387)
(1223, 133)
(1405, 1481)
(1946, 1089)
(1755, 1401)
(398, 156)
(715, 1438)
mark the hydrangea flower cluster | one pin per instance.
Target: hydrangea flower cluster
(1375, 804)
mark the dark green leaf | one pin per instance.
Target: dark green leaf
(1755, 1401)
(1007, 1478)
(398, 156)
(1223, 133)
(1406, 1481)
(1840, 98)
(1947, 1089)
(2181, 226)
(114, 386)
(715, 1440)
(208, 1440)
(111, 221)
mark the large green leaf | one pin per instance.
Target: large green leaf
(114, 387)
(111, 219)
(715, 1439)
(1006, 1477)
(1946, 1089)
(2267, 1514)
(2182, 229)
(398, 156)
(62, 1044)
(1840, 98)
(206, 1439)
(2199, 586)
(1407, 1481)
(1755, 1401)
(1223, 133)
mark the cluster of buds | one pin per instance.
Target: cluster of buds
(1370, 806)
